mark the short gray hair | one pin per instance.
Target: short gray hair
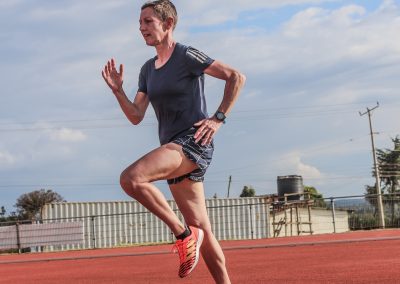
(163, 9)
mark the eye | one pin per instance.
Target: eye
(146, 21)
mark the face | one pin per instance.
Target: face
(152, 28)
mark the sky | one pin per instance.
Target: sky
(311, 65)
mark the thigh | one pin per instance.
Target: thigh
(189, 196)
(165, 162)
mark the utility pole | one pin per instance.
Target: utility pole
(377, 177)
(229, 185)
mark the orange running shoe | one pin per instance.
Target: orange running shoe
(189, 251)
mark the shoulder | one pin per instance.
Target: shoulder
(148, 65)
(181, 47)
(194, 54)
(188, 49)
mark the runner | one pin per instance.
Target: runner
(173, 82)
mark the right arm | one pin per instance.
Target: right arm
(135, 110)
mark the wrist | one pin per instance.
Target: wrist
(220, 116)
(118, 92)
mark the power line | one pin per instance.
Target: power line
(73, 128)
(311, 151)
(236, 180)
(238, 115)
(64, 121)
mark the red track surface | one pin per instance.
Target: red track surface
(357, 257)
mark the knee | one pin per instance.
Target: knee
(129, 182)
(208, 233)
(205, 226)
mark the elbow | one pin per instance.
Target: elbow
(135, 120)
(239, 78)
(242, 79)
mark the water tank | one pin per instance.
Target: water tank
(290, 184)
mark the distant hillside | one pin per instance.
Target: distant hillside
(351, 203)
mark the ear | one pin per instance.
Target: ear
(169, 24)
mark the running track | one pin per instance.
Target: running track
(355, 257)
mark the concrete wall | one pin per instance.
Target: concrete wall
(321, 222)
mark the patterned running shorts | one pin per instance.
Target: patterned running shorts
(201, 155)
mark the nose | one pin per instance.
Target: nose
(141, 27)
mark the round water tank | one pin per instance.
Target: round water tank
(290, 184)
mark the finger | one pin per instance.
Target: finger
(207, 139)
(199, 123)
(109, 68)
(113, 63)
(205, 132)
(199, 138)
(121, 70)
(210, 137)
(199, 132)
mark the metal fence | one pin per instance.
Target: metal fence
(364, 212)
(113, 224)
(66, 226)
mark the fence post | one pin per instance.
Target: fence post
(268, 220)
(93, 232)
(333, 214)
(18, 238)
(251, 221)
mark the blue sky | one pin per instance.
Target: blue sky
(311, 66)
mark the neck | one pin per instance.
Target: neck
(165, 49)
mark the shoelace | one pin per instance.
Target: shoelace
(181, 248)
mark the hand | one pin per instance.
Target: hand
(110, 74)
(207, 129)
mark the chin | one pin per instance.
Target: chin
(150, 43)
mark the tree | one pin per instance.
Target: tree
(315, 195)
(2, 214)
(248, 191)
(389, 173)
(29, 205)
(389, 167)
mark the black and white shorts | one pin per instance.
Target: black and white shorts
(197, 153)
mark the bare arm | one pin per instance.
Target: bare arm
(135, 110)
(234, 83)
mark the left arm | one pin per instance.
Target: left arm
(234, 81)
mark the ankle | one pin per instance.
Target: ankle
(184, 234)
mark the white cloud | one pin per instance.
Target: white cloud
(74, 9)
(292, 163)
(319, 20)
(7, 158)
(308, 171)
(198, 13)
(67, 135)
(388, 5)
(336, 56)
